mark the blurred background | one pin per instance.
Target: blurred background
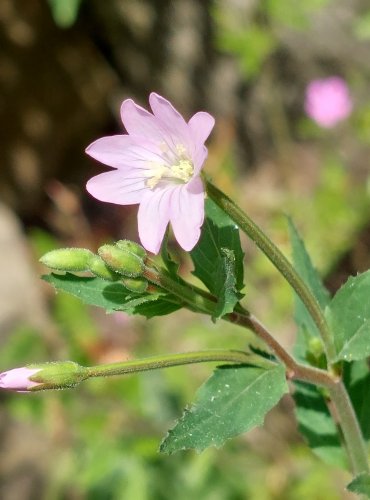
(65, 67)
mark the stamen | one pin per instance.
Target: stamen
(182, 171)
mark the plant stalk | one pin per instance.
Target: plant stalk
(168, 360)
(354, 441)
(279, 260)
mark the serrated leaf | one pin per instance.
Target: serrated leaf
(171, 265)
(112, 296)
(232, 401)
(218, 232)
(316, 424)
(360, 485)
(308, 273)
(314, 419)
(228, 296)
(357, 381)
(349, 318)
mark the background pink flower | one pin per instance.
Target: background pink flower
(328, 101)
(157, 165)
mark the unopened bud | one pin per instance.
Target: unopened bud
(98, 267)
(18, 379)
(315, 354)
(122, 261)
(136, 285)
(67, 259)
(132, 247)
(38, 377)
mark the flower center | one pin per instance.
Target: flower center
(179, 170)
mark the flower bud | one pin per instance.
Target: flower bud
(38, 377)
(18, 379)
(132, 247)
(98, 267)
(136, 285)
(122, 261)
(67, 259)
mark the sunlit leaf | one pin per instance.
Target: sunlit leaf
(349, 318)
(360, 485)
(234, 400)
(112, 296)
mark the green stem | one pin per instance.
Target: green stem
(201, 303)
(295, 371)
(185, 294)
(279, 260)
(166, 361)
(352, 434)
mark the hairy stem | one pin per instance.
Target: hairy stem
(279, 260)
(352, 434)
(168, 360)
(294, 370)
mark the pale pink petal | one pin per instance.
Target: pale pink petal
(123, 188)
(18, 379)
(187, 213)
(175, 129)
(153, 217)
(122, 151)
(199, 158)
(201, 125)
(138, 121)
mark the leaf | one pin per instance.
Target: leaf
(349, 318)
(306, 270)
(232, 401)
(112, 296)
(357, 381)
(360, 485)
(317, 425)
(218, 232)
(228, 296)
(314, 419)
(171, 265)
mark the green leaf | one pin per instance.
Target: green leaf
(314, 419)
(357, 381)
(171, 265)
(349, 318)
(360, 485)
(232, 401)
(306, 270)
(228, 296)
(219, 233)
(112, 296)
(317, 425)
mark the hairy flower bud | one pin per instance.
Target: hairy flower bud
(38, 377)
(131, 246)
(98, 267)
(136, 285)
(122, 261)
(67, 259)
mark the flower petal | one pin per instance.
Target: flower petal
(124, 151)
(123, 188)
(201, 125)
(199, 158)
(138, 121)
(153, 218)
(187, 213)
(174, 127)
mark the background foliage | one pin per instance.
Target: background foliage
(65, 68)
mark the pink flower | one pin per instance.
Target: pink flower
(328, 101)
(157, 164)
(18, 379)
